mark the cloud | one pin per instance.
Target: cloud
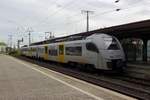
(64, 17)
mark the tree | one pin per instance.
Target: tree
(2, 44)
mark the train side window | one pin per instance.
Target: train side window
(61, 49)
(74, 51)
(53, 52)
(92, 47)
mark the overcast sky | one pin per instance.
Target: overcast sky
(64, 17)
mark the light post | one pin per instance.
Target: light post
(87, 18)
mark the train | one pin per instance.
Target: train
(99, 51)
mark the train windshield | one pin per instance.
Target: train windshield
(92, 47)
(111, 43)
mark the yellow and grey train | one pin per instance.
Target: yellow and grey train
(101, 51)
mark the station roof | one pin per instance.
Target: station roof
(140, 29)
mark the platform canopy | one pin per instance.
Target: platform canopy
(139, 29)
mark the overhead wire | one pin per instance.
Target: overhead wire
(73, 16)
(56, 12)
(106, 12)
(64, 13)
(101, 13)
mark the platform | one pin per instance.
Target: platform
(140, 64)
(20, 80)
(139, 70)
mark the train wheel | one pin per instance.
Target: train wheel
(81, 67)
(90, 68)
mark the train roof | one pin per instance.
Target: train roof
(73, 37)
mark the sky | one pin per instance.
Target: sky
(64, 17)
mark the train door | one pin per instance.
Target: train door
(46, 53)
(37, 50)
(92, 54)
(30, 52)
(61, 53)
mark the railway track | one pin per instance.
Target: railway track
(137, 88)
(138, 72)
(133, 80)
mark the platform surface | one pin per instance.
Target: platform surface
(20, 80)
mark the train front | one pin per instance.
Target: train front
(111, 54)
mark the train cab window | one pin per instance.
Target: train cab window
(92, 47)
(61, 49)
(113, 45)
(46, 49)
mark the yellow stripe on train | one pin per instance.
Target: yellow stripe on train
(46, 52)
(61, 56)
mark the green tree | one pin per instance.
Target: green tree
(2, 44)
